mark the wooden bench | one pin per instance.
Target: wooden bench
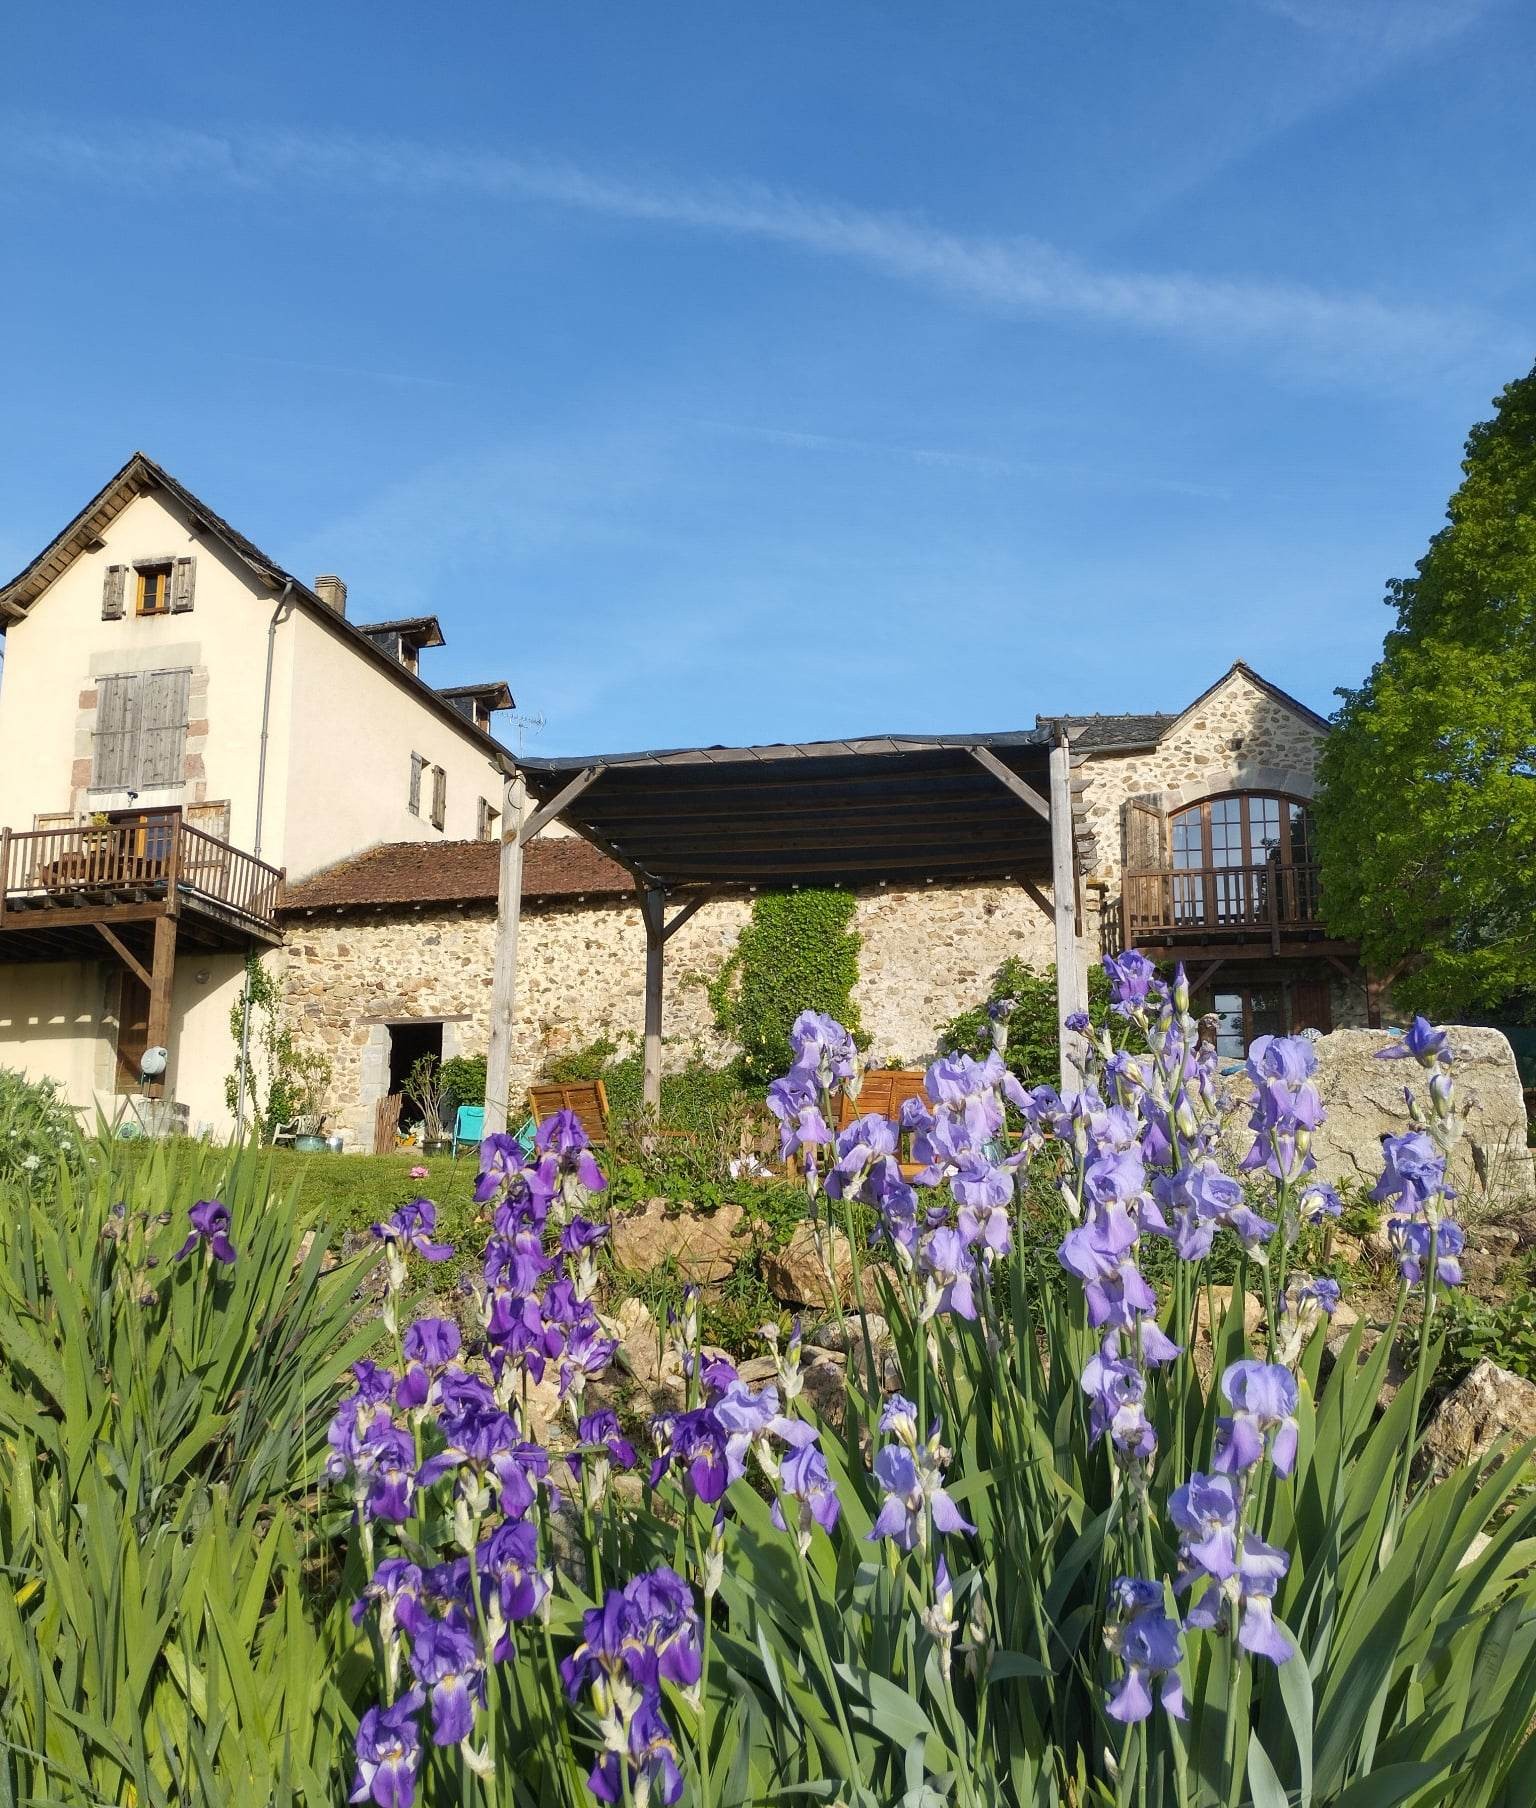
(587, 1098)
(882, 1094)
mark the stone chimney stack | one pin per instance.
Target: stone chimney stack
(332, 590)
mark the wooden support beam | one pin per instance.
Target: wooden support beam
(546, 813)
(653, 904)
(1071, 981)
(1038, 897)
(509, 910)
(694, 904)
(125, 954)
(1026, 794)
(161, 978)
(1207, 973)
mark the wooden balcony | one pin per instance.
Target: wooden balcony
(60, 886)
(1273, 903)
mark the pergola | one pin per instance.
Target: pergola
(893, 809)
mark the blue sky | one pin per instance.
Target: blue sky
(783, 370)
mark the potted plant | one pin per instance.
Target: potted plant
(425, 1088)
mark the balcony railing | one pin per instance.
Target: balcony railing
(1271, 899)
(158, 857)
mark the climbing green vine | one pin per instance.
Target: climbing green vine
(797, 953)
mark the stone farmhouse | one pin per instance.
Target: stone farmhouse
(202, 756)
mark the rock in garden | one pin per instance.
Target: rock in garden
(704, 1246)
(1220, 1301)
(1489, 1404)
(841, 1334)
(797, 1274)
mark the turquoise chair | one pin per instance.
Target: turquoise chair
(468, 1127)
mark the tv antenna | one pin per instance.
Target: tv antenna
(529, 724)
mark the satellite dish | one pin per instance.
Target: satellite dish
(152, 1062)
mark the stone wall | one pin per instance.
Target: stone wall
(928, 953)
(1196, 759)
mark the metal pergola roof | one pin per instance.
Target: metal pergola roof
(890, 808)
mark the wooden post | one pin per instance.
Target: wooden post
(162, 972)
(509, 910)
(653, 904)
(5, 870)
(1071, 983)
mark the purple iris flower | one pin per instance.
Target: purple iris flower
(1249, 1227)
(393, 1583)
(562, 1136)
(795, 1100)
(587, 1352)
(947, 1268)
(209, 1220)
(1413, 1167)
(1263, 1400)
(1115, 1177)
(1319, 1201)
(1412, 1238)
(602, 1428)
(823, 1047)
(1114, 1288)
(1078, 1022)
(501, 1158)
(1118, 1390)
(1259, 1572)
(987, 1223)
(1131, 977)
(1288, 1059)
(804, 1477)
(858, 1147)
(1205, 1510)
(652, 1760)
(446, 1663)
(508, 1565)
(385, 1456)
(699, 1448)
(1284, 1117)
(1146, 1640)
(412, 1227)
(389, 1754)
(580, 1234)
(1420, 1042)
(913, 1485)
(1322, 1293)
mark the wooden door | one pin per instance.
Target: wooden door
(132, 1031)
(1311, 1006)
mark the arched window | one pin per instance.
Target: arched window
(1244, 861)
(1247, 828)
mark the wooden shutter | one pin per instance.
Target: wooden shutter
(1146, 836)
(54, 819)
(212, 819)
(183, 576)
(112, 591)
(1311, 1006)
(439, 797)
(115, 766)
(163, 727)
(413, 804)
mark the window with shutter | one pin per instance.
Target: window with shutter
(112, 590)
(486, 818)
(413, 802)
(183, 575)
(154, 589)
(1145, 834)
(115, 764)
(439, 797)
(163, 727)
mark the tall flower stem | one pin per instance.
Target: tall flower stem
(706, 1789)
(1411, 1442)
(824, 1656)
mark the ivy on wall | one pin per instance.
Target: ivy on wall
(796, 953)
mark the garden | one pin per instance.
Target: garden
(1094, 1467)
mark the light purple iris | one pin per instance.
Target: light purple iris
(412, 1227)
(1118, 1390)
(1413, 1168)
(1131, 979)
(1146, 1640)
(389, 1754)
(1420, 1042)
(1205, 1510)
(501, 1158)
(804, 1477)
(1115, 1289)
(947, 1267)
(914, 1493)
(209, 1220)
(823, 1047)
(1412, 1236)
(1319, 1201)
(1263, 1400)
(1258, 1572)
(795, 1100)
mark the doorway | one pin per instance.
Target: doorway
(132, 1032)
(408, 1042)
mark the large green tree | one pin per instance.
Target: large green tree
(1427, 812)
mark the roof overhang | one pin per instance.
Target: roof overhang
(493, 696)
(895, 809)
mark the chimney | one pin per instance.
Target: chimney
(332, 590)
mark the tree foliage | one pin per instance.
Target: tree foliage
(1427, 811)
(1032, 1049)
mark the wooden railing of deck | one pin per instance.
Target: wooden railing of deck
(161, 857)
(1267, 899)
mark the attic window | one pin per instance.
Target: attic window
(154, 594)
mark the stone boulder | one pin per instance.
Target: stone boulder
(1490, 1404)
(704, 1246)
(797, 1274)
(1364, 1098)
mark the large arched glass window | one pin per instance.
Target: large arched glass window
(1244, 861)
(1246, 829)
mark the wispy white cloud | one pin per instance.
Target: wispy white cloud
(1390, 28)
(1337, 333)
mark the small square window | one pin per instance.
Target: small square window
(154, 590)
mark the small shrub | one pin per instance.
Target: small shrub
(38, 1133)
(1031, 1048)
